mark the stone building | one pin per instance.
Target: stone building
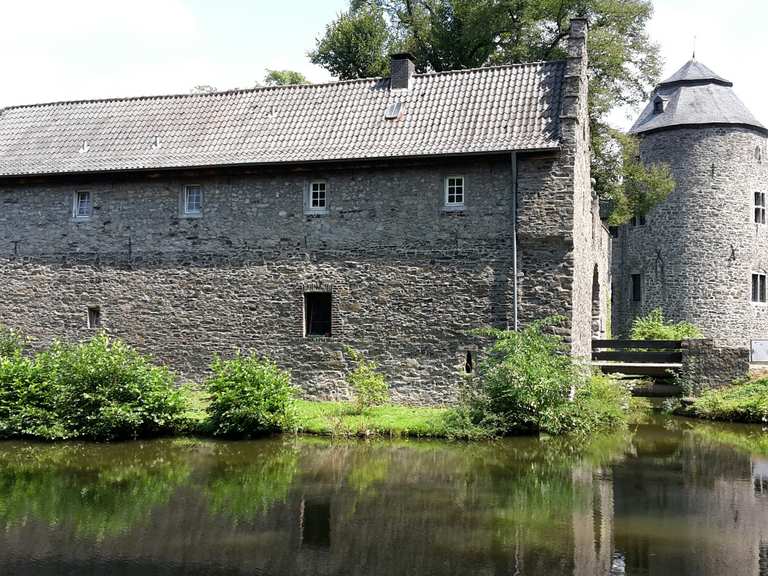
(387, 214)
(701, 255)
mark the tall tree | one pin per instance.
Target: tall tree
(454, 34)
(284, 78)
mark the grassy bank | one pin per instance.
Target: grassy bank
(743, 402)
(343, 419)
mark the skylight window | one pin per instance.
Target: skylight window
(393, 110)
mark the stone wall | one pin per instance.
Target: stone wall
(409, 280)
(707, 366)
(698, 249)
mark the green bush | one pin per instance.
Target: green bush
(101, 389)
(654, 327)
(28, 400)
(250, 396)
(370, 387)
(106, 390)
(11, 342)
(528, 384)
(743, 402)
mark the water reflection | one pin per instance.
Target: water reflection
(670, 497)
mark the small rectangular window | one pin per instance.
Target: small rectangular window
(759, 288)
(638, 220)
(318, 199)
(317, 313)
(82, 206)
(637, 288)
(94, 317)
(193, 200)
(759, 207)
(454, 191)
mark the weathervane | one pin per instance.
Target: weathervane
(694, 47)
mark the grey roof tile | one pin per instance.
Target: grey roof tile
(491, 109)
(695, 95)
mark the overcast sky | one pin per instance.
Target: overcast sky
(71, 49)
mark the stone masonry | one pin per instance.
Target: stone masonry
(409, 278)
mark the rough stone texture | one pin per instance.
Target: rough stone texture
(707, 366)
(409, 279)
(699, 248)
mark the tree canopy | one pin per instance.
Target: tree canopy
(454, 34)
(284, 78)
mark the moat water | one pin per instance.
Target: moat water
(671, 497)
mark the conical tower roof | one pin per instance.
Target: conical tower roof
(694, 96)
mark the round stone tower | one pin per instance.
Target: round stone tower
(702, 255)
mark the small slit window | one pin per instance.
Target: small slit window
(759, 207)
(469, 363)
(82, 206)
(193, 200)
(637, 287)
(94, 317)
(317, 314)
(759, 287)
(454, 191)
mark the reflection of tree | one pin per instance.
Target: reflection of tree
(248, 483)
(98, 490)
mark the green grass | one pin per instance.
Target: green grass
(342, 418)
(745, 402)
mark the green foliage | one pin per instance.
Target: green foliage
(11, 342)
(101, 389)
(742, 402)
(284, 78)
(250, 396)
(370, 387)
(654, 327)
(527, 384)
(106, 390)
(356, 44)
(456, 34)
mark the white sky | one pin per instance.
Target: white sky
(70, 49)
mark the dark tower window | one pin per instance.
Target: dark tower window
(469, 363)
(637, 288)
(94, 317)
(658, 106)
(317, 313)
(759, 292)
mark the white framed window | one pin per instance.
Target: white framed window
(317, 197)
(759, 288)
(454, 192)
(192, 201)
(82, 207)
(759, 207)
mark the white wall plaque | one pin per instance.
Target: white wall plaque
(760, 351)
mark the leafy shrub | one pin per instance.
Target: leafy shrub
(28, 400)
(106, 390)
(101, 389)
(370, 387)
(249, 396)
(11, 342)
(527, 384)
(743, 402)
(654, 327)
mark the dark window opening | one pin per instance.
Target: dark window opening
(94, 317)
(638, 220)
(614, 230)
(317, 313)
(637, 288)
(759, 288)
(658, 106)
(469, 364)
(316, 524)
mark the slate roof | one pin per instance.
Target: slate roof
(694, 95)
(493, 109)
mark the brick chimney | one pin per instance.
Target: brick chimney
(402, 68)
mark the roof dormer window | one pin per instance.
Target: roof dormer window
(658, 105)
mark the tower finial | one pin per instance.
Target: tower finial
(694, 48)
